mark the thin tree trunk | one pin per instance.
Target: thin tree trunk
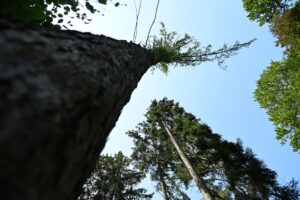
(61, 93)
(198, 180)
(163, 186)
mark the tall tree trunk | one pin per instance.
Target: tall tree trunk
(61, 93)
(198, 180)
(163, 186)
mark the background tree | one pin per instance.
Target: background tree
(289, 191)
(212, 158)
(278, 92)
(154, 155)
(286, 28)
(281, 15)
(228, 169)
(114, 179)
(160, 116)
(263, 11)
(278, 87)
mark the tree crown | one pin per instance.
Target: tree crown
(228, 168)
(263, 11)
(169, 48)
(113, 178)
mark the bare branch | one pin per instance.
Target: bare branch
(137, 14)
(152, 22)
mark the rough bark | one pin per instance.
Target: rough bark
(61, 93)
(198, 180)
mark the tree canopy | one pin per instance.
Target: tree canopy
(278, 92)
(229, 170)
(114, 179)
(278, 87)
(263, 11)
(286, 28)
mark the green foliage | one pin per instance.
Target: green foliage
(263, 11)
(170, 48)
(228, 169)
(286, 28)
(279, 85)
(114, 179)
(154, 155)
(43, 12)
(278, 92)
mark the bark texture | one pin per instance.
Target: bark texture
(61, 93)
(198, 180)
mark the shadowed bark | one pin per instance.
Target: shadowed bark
(61, 93)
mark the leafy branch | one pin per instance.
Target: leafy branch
(171, 48)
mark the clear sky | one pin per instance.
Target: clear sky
(221, 98)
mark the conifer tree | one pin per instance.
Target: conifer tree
(228, 169)
(114, 179)
(153, 154)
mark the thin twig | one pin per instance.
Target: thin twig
(137, 14)
(135, 6)
(152, 22)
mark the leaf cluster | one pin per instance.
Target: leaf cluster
(278, 92)
(45, 12)
(286, 28)
(278, 87)
(169, 48)
(263, 11)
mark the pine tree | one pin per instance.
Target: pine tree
(114, 179)
(153, 154)
(227, 168)
(289, 191)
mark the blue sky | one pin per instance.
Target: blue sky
(221, 98)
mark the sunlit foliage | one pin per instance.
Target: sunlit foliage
(169, 48)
